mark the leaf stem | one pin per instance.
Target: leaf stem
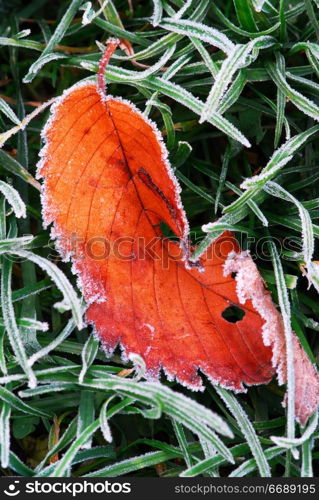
(111, 46)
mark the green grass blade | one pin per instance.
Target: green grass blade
(245, 15)
(199, 31)
(247, 429)
(300, 101)
(12, 400)
(5, 415)
(70, 297)
(7, 111)
(284, 304)
(249, 466)
(157, 13)
(237, 58)
(89, 353)
(10, 321)
(209, 463)
(182, 441)
(14, 199)
(54, 40)
(86, 415)
(278, 160)
(62, 467)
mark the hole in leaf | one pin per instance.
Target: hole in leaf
(232, 314)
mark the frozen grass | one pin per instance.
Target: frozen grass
(238, 108)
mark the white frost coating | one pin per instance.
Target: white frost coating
(171, 377)
(153, 375)
(248, 431)
(258, 4)
(23, 34)
(152, 331)
(237, 58)
(20, 377)
(103, 63)
(57, 341)
(94, 290)
(89, 14)
(56, 103)
(13, 331)
(289, 443)
(182, 11)
(209, 452)
(301, 80)
(34, 324)
(104, 425)
(70, 296)
(5, 109)
(265, 175)
(14, 199)
(157, 12)
(308, 241)
(5, 434)
(139, 365)
(280, 157)
(226, 385)
(175, 400)
(250, 286)
(200, 31)
(307, 106)
(198, 386)
(140, 75)
(312, 274)
(150, 327)
(36, 66)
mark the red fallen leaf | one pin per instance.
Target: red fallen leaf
(108, 186)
